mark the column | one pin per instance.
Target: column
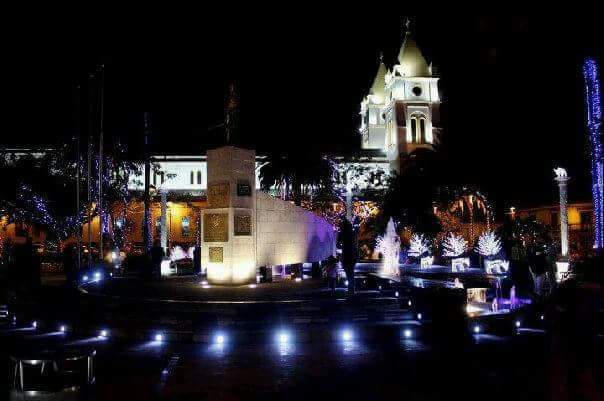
(562, 180)
(163, 222)
(562, 265)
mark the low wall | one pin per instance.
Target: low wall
(287, 234)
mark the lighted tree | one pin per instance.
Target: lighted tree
(454, 245)
(419, 245)
(488, 244)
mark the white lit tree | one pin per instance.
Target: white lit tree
(419, 246)
(488, 244)
(454, 246)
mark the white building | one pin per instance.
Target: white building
(401, 112)
(178, 174)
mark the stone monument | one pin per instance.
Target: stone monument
(228, 229)
(244, 228)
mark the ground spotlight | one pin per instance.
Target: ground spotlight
(347, 335)
(85, 278)
(419, 316)
(159, 337)
(409, 303)
(518, 324)
(542, 317)
(97, 276)
(346, 283)
(219, 339)
(252, 285)
(298, 279)
(396, 294)
(204, 282)
(407, 333)
(103, 333)
(476, 329)
(34, 324)
(62, 328)
(283, 337)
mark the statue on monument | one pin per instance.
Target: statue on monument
(231, 115)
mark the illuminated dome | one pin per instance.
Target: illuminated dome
(411, 60)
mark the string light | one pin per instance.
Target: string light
(489, 244)
(418, 245)
(454, 245)
(594, 122)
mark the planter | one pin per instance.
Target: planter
(460, 264)
(496, 266)
(426, 262)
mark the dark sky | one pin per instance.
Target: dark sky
(511, 86)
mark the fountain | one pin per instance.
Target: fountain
(389, 245)
(178, 253)
(513, 299)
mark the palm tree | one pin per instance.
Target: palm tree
(300, 173)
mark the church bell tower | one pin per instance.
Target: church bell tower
(405, 115)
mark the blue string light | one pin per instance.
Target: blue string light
(594, 122)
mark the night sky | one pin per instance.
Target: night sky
(511, 86)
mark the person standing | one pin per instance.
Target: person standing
(157, 256)
(331, 272)
(69, 265)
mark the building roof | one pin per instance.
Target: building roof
(411, 60)
(377, 92)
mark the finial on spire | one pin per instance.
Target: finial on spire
(381, 57)
(406, 26)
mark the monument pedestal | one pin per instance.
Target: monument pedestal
(562, 268)
(228, 230)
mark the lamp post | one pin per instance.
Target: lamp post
(349, 188)
(562, 180)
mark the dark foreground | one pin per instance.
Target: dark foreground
(386, 354)
(386, 367)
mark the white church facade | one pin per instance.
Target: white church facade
(401, 112)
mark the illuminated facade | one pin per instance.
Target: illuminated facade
(580, 224)
(401, 112)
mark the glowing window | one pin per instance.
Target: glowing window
(185, 226)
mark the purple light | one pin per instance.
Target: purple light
(594, 122)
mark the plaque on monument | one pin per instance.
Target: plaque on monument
(218, 195)
(216, 255)
(243, 224)
(244, 188)
(216, 227)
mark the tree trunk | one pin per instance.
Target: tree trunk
(146, 197)
(297, 192)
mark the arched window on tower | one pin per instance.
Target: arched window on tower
(419, 128)
(422, 130)
(413, 129)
